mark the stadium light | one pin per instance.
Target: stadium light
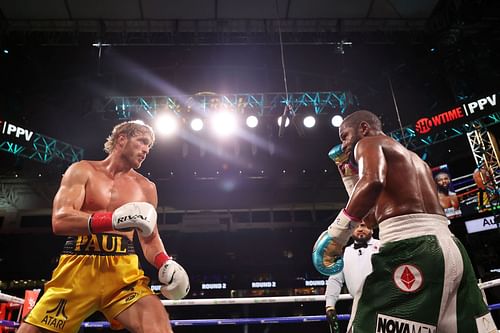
(196, 124)
(252, 121)
(309, 121)
(224, 123)
(166, 124)
(337, 120)
(287, 121)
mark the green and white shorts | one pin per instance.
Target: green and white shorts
(422, 281)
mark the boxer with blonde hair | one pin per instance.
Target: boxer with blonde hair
(99, 206)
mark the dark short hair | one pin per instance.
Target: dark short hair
(355, 118)
(441, 173)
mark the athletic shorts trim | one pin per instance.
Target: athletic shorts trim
(411, 226)
(99, 244)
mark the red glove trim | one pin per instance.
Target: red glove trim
(352, 218)
(160, 259)
(100, 222)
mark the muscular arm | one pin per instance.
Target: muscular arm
(153, 244)
(372, 175)
(370, 219)
(67, 218)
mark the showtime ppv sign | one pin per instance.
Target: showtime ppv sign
(15, 131)
(466, 111)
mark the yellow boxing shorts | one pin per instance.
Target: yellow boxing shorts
(98, 272)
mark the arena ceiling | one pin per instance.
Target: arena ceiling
(214, 15)
(56, 82)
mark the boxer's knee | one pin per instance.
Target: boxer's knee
(28, 328)
(148, 315)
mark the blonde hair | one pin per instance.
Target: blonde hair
(129, 129)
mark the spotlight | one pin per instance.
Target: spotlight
(337, 120)
(287, 121)
(196, 124)
(309, 121)
(166, 124)
(252, 121)
(224, 123)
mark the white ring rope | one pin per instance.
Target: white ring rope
(11, 299)
(248, 300)
(217, 301)
(251, 300)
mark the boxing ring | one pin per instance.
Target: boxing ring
(237, 301)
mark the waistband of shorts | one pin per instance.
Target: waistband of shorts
(99, 244)
(411, 226)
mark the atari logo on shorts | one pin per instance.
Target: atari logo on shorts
(408, 278)
(388, 324)
(56, 317)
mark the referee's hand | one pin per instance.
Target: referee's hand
(331, 317)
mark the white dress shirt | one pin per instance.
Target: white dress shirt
(357, 265)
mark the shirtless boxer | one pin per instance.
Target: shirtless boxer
(99, 205)
(422, 279)
(448, 199)
(487, 193)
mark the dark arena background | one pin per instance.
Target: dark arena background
(242, 212)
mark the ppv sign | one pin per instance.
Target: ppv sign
(17, 131)
(426, 124)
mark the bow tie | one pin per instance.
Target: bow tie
(359, 245)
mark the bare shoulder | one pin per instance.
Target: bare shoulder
(77, 173)
(144, 182)
(370, 143)
(147, 186)
(375, 141)
(79, 168)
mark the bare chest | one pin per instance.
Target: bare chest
(105, 193)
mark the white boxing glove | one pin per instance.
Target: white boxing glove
(173, 277)
(133, 215)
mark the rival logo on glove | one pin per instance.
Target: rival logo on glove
(164, 271)
(130, 217)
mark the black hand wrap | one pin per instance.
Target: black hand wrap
(331, 317)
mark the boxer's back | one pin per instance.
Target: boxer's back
(409, 186)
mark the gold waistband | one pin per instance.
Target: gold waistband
(99, 244)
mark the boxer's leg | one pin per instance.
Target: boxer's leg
(28, 328)
(404, 289)
(65, 302)
(147, 315)
(130, 300)
(472, 311)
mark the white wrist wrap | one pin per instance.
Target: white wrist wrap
(349, 183)
(341, 228)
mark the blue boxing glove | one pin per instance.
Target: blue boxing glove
(326, 265)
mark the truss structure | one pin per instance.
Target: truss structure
(43, 149)
(485, 151)
(125, 106)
